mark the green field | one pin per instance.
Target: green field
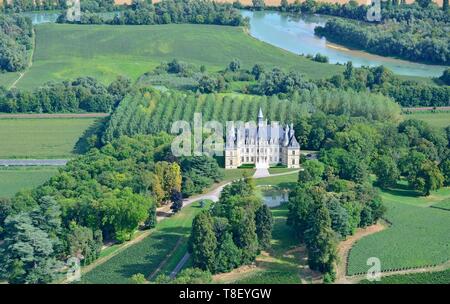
(445, 204)
(14, 179)
(418, 236)
(435, 119)
(439, 277)
(67, 51)
(145, 257)
(41, 137)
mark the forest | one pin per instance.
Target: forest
(16, 40)
(104, 195)
(423, 40)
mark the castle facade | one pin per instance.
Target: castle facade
(261, 144)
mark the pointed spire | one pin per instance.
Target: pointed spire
(260, 114)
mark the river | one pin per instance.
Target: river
(296, 34)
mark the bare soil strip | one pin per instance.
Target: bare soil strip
(164, 262)
(344, 249)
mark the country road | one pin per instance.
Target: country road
(33, 162)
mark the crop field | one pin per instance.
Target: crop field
(68, 51)
(18, 178)
(145, 257)
(435, 119)
(41, 137)
(418, 237)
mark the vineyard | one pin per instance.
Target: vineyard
(440, 277)
(418, 237)
(152, 111)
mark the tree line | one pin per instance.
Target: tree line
(84, 94)
(150, 110)
(16, 40)
(18, 6)
(261, 80)
(169, 11)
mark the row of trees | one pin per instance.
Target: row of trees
(170, 11)
(18, 6)
(105, 194)
(82, 94)
(260, 80)
(150, 111)
(233, 232)
(16, 34)
(390, 9)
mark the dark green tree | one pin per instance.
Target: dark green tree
(203, 242)
(264, 225)
(320, 240)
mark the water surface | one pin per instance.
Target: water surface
(296, 34)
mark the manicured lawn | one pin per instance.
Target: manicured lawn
(67, 51)
(435, 119)
(232, 174)
(439, 277)
(41, 137)
(418, 236)
(14, 179)
(145, 257)
(281, 170)
(445, 204)
(283, 181)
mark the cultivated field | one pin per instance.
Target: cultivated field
(440, 277)
(145, 257)
(42, 137)
(68, 51)
(14, 179)
(418, 236)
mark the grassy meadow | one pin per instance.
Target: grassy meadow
(41, 138)
(19, 178)
(66, 51)
(417, 236)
